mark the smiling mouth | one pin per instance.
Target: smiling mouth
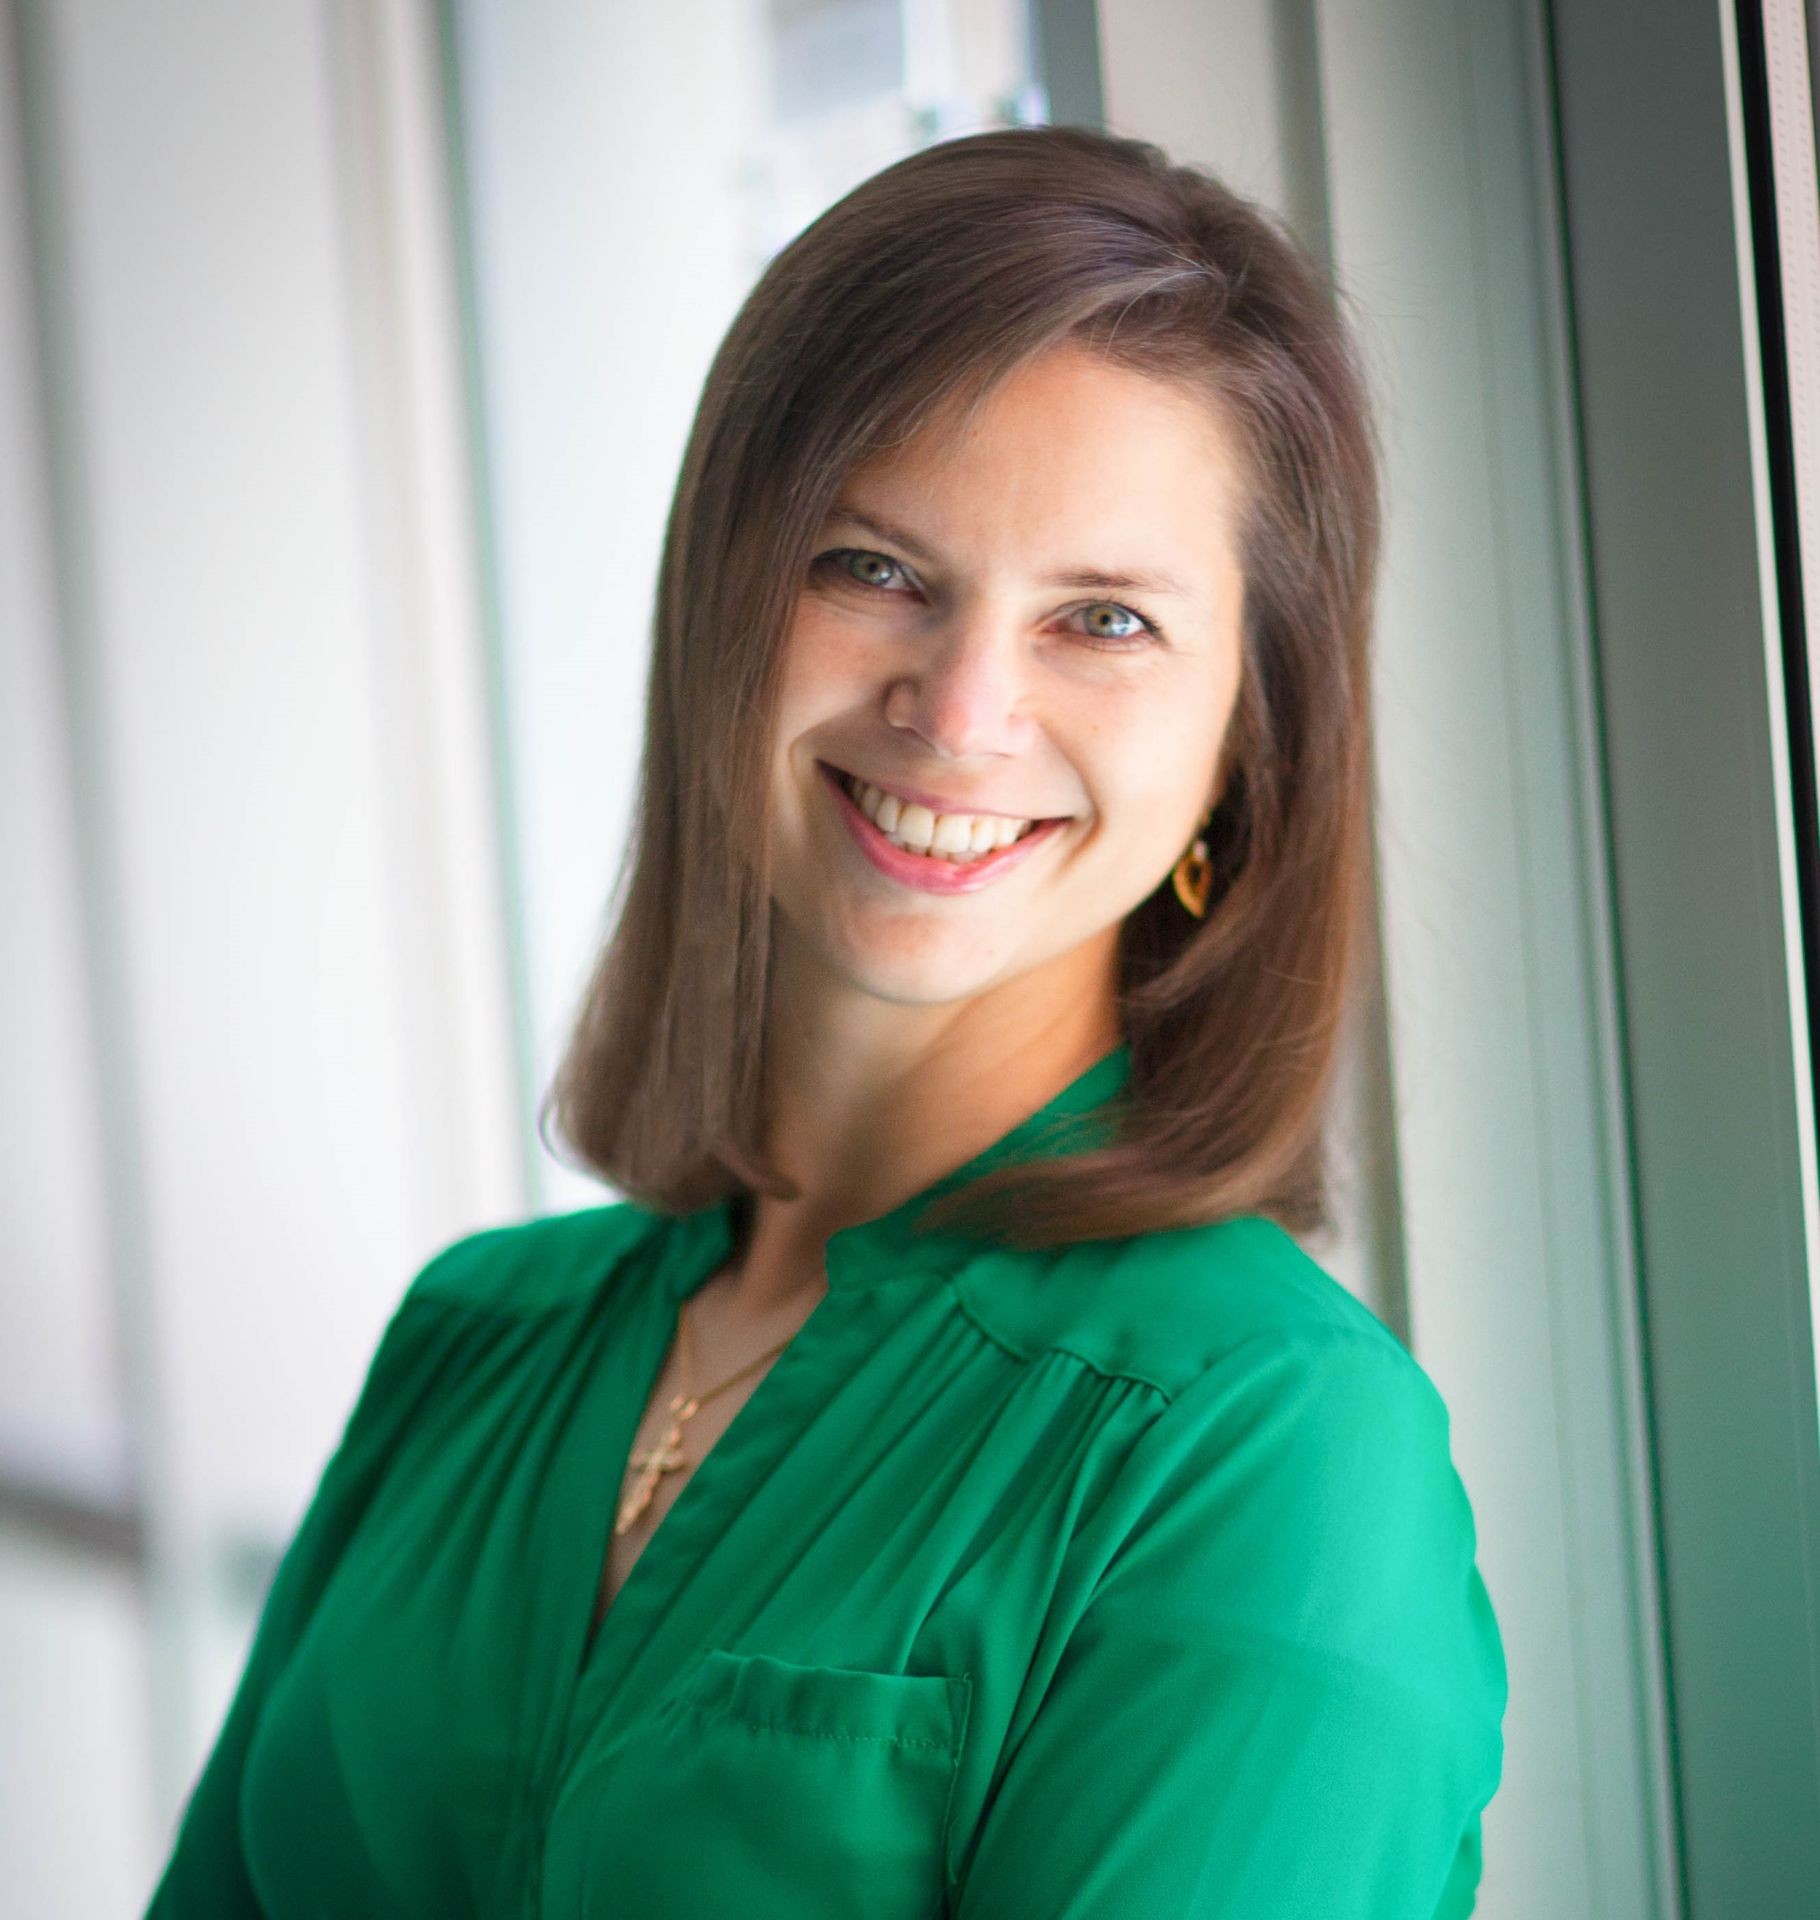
(958, 836)
(952, 868)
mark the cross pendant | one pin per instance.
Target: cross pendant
(653, 1463)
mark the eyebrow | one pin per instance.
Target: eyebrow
(1092, 579)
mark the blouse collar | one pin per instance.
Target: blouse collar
(1075, 1119)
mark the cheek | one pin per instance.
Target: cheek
(1152, 766)
(825, 669)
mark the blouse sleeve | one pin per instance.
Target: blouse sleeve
(1285, 1694)
(205, 1877)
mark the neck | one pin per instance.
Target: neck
(862, 1132)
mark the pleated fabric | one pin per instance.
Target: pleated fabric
(1133, 1578)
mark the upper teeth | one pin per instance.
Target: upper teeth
(934, 832)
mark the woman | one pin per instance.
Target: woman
(1014, 1521)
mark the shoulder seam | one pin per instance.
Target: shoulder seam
(1383, 1344)
(1379, 1339)
(970, 1313)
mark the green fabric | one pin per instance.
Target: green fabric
(1130, 1579)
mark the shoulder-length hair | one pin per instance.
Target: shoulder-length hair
(924, 286)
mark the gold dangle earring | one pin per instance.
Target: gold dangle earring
(1193, 873)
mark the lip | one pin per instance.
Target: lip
(918, 870)
(912, 797)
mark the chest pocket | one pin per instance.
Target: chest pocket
(761, 1788)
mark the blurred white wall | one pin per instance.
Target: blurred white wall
(258, 1033)
(602, 244)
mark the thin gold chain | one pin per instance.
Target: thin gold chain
(649, 1464)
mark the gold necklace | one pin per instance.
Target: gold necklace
(651, 1463)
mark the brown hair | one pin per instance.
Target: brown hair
(920, 289)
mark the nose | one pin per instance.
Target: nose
(968, 695)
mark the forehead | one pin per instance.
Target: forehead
(1068, 448)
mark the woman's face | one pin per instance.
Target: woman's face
(1036, 621)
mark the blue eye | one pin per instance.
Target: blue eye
(1146, 633)
(1147, 630)
(841, 555)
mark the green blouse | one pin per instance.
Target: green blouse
(1131, 1578)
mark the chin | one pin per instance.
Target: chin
(897, 966)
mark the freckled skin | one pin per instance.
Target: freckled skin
(968, 674)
